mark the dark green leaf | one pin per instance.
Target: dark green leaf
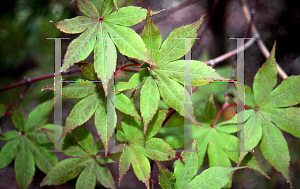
(9, 152)
(18, 119)
(104, 176)
(85, 139)
(87, 178)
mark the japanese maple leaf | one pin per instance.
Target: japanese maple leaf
(167, 80)
(136, 147)
(272, 111)
(184, 176)
(28, 146)
(100, 31)
(81, 146)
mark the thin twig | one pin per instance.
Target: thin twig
(260, 43)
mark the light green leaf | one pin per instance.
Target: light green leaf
(39, 115)
(132, 129)
(149, 101)
(123, 104)
(173, 47)
(151, 36)
(75, 25)
(3, 108)
(104, 176)
(173, 95)
(9, 152)
(287, 93)
(136, 80)
(9, 135)
(213, 178)
(87, 178)
(128, 42)
(251, 135)
(156, 123)
(85, 139)
(88, 71)
(210, 111)
(98, 147)
(127, 16)
(185, 172)
(105, 56)
(81, 113)
(165, 177)
(80, 48)
(140, 164)
(275, 149)
(65, 170)
(286, 119)
(18, 119)
(44, 158)
(87, 8)
(124, 163)
(107, 7)
(265, 79)
(157, 148)
(216, 155)
(200, 72)
(24, 169)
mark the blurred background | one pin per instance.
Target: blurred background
(25, 53)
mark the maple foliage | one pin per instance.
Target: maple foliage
(140, 129)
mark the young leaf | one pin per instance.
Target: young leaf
(173, 95)
(214, 177)
(149, 101)
(81, 113)
(24, 169)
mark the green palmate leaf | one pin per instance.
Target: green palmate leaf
(136, 148)
(200, 72)
(265, 79)
(149, 101)
(87, 179)
(9, 152)
(210, 110)
(84, 138)
(136, 80)
(39, 116)
(96, 30)
(124, 104)
(81, 113)
(64, 171)
(174, 95)
(18, 119)
(184, 172)
(24, 169)
(166, 178)
(98, 147)
(214, 177)
(267, 112)
(274, 148)
(151, 36)
(173, 47)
